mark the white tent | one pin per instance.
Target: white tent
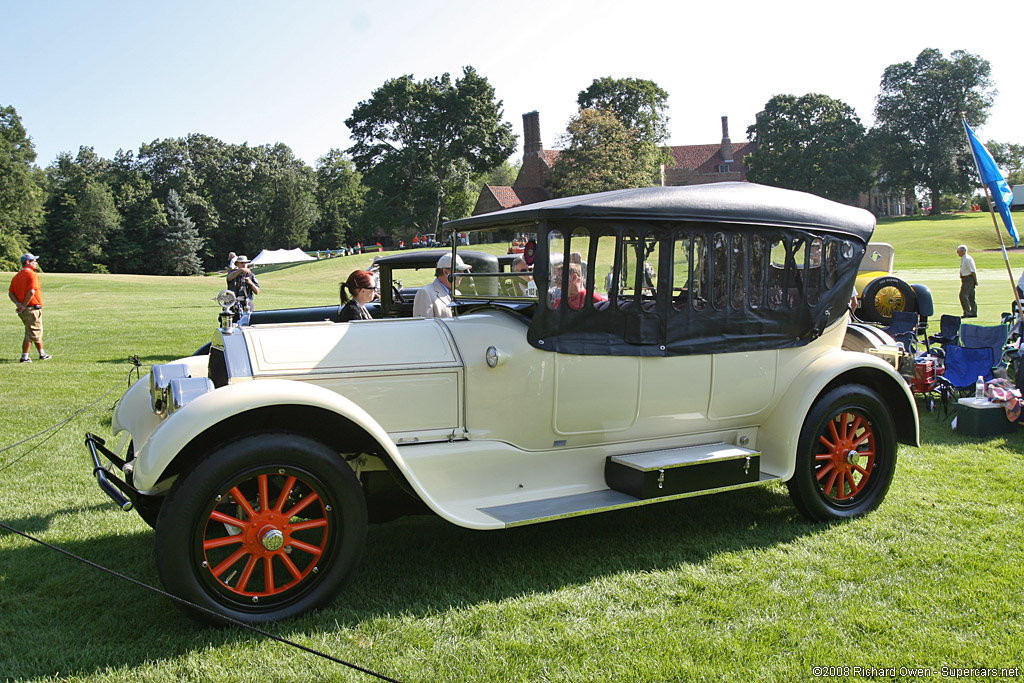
(269, 256)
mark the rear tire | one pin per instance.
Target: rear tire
(265, 528)
(846, 455)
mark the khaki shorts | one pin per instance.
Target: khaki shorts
(33, 319)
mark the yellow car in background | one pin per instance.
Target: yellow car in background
(880, 293)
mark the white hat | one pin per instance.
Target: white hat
(446, 263)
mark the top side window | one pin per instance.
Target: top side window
(574, 266)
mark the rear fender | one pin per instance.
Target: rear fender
(778, 437)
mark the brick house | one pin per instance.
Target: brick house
(712, 163)
(694, 165)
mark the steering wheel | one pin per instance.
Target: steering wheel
(396, 292)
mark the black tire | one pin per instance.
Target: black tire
(830, 483)
(300, 532)
(148, 508)
(883, 296)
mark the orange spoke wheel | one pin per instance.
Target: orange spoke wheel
(846, 456)
(266, 534)
(266, 527)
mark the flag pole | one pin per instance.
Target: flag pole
(1002, 245)
(995, 224)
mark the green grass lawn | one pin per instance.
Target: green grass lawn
(734, 587)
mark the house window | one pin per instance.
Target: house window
(724, 168)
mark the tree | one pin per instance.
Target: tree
(599, 153)
(241, 198)
(416, 143)
(639, 104)
(181, 242)
(135, 246)
(503, 174)
(198, 168)
(80, 213)
(21, 197)
(918, 113)
(1010, 158)
(812, 143)
(340, 197)
(288, 187)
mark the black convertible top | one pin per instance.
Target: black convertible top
(732, 202)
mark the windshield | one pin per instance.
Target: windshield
(506, 273)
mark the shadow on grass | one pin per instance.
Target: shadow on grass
(414, 566)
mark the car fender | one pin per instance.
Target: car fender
(866, 277)
(181, 427)
(779, 435)
(923, 300)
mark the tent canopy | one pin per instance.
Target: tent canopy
(270, 256)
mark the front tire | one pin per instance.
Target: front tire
(265, 528)
(846, 455)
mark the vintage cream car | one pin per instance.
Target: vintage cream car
(663, 343)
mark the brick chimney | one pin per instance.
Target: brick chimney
(726, 142)
(531, 134)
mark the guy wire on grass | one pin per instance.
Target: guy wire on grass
(136, 364)
(182, 601)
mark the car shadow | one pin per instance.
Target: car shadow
(414, 566)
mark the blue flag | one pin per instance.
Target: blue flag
(1002, 195)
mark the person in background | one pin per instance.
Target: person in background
(360, 287)
(577, 289)
(522, 278)
(968, 282)
(27, 295)
(434, 300)
(243, 283)
(231, 260)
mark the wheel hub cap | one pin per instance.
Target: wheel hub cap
(272, 539)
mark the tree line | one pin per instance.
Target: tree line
(422, 150)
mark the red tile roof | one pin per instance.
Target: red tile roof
(706, 159)
(550, 156)
(508, 197)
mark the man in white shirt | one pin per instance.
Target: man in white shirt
(434, 300)
(968, 281)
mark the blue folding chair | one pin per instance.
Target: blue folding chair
(963, 367)
(992, 336)
(903, 329)
(949, 332)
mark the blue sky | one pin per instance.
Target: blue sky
(114, 75)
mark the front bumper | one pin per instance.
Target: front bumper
(124, 495)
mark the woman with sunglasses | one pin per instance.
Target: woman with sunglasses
(360, 285)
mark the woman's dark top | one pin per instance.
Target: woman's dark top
(353, 311)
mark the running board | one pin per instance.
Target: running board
(547, 509)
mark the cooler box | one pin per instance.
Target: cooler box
(923, 380)
(982, 417)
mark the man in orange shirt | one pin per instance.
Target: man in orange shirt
(26, 294)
